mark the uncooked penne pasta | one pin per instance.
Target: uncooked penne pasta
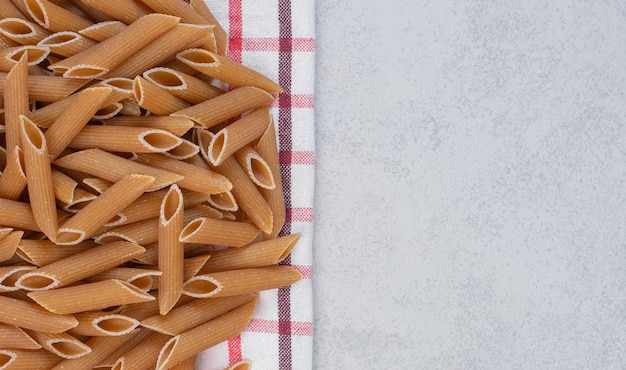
(103, 30)
(87, 297)
(237, 135)
(226, 106)
(127, 11)
(109, 111)
(226, 70)
(91, 12)
(54, 17)
(241, 365)
(221, 37)
(195, 178)
(48, 88)
(22, 31)
(13, 337)
(156, 100)
(255, 166)
(66, 188)
(110, 167)
(101, 323)
(10, 56)
(15, 103)
(193, 265)
(224, 201)
(66, 43)
(32, 316)
(141, 232)
(142, 356)
(265, 253)
(95, 214)
(61, 344)
(130, 108)
(17, 214)
(8, 10)
(85, 104)
(184, 150)
(242, 281)
(10, 274)
(44, 252)
(194, 313)
(171, 250)
(193, 341)
(100, 59)
(79, 266)
(13, 178)
(125, 139)
(5, 231)
(188, 364)
(31, 359)
(182, 85)
(176, 125)
(8, 245)
(218, 232)
(139, 277)
(39, 177)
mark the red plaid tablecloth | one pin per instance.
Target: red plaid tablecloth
(276, 37)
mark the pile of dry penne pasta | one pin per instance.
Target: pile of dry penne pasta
(140, 192)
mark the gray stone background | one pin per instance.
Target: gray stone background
(470, 186)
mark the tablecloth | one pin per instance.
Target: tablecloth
(276, 37)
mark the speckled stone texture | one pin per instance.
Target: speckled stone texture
(471, 185)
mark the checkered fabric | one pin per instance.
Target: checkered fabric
(276, 37)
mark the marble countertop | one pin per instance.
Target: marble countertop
(471, 185)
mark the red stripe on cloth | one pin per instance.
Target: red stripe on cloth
(235, 29)
(298, 328)
(234, 349)
(299, 214)
(274, 44)
(294, 101)
(297, 157)
(305, 270)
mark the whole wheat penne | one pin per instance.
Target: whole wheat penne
(188, 364)
(22, 31)
(111, 167)
(6, 43)
(125, 139)
(130, 108)
(97, 184)
(38, 177)
(54, 17)
(109, 111)
(179, 66)
(185, 150)
(193, 341)
(48, 88)
(127, 11)
(221, 37)
(74, 119)
(10, 56)
(265, 253)
(111, 52)
(91, 12)
(13, 178)
(66, 43)
(103, 30)
(8, 10)
(61, 344)
(226, 106)
(91, 296)
(242, 281)
(142, 356)
(24, 359)
(148, 205)
(17, 214)
(5, 231)
(19, 4)
(171, 252)
(44, 252)
(255, 166)
(176, 125)
(156, 100)
(15, 103)
(224, 201)
(240, 365)
(13, 337)
(194, 313)
(139, 277)
(95, 214)
(100, 323)
(9, 276)
(101, 348)
(8, 245)
(182, 85)
(32, 316)
(66, 188)
(193, 265)
(7, 358)
(226, 70)
(179, 38)
(81, 199)
(247, 195)
(237, 135)
(141, 232)
(109, 361)
(195, 178)
(79, 266)
(219, 232)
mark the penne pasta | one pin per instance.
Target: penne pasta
(24, 359)
(8, 245)
(39, 177)
(226, 106)
(87, 297)
(125, 139)
(66, 43)
(226, 70)
(265, 253)
(142, 233)
(241, 365)
(54, 17)
(243, 281)
(193, 265)
(12, 337)
(218, 232)
(103, 30)
(139, 277)
(61, 344)
(142, 356)
(176, 125)
(127, 11)
(224, 201)
(32, 316)
(10, 274)
(156, 100)
(109, 111)
(171, 252)
(47, 88)
(188, 364)
(185, 150)
(221, 38)
(8, 10)
(110, 167)
(237, 135)
(194, 313)
(17, 214)
(95, 214)
(10, 56)
(193, 341)
(182, 85)
(72, 269)
(101, 323)
(255, 166)
(66, 188)
(15, 103)
(90, 12)
(44, 252)
(13, 178)
(22, 31)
